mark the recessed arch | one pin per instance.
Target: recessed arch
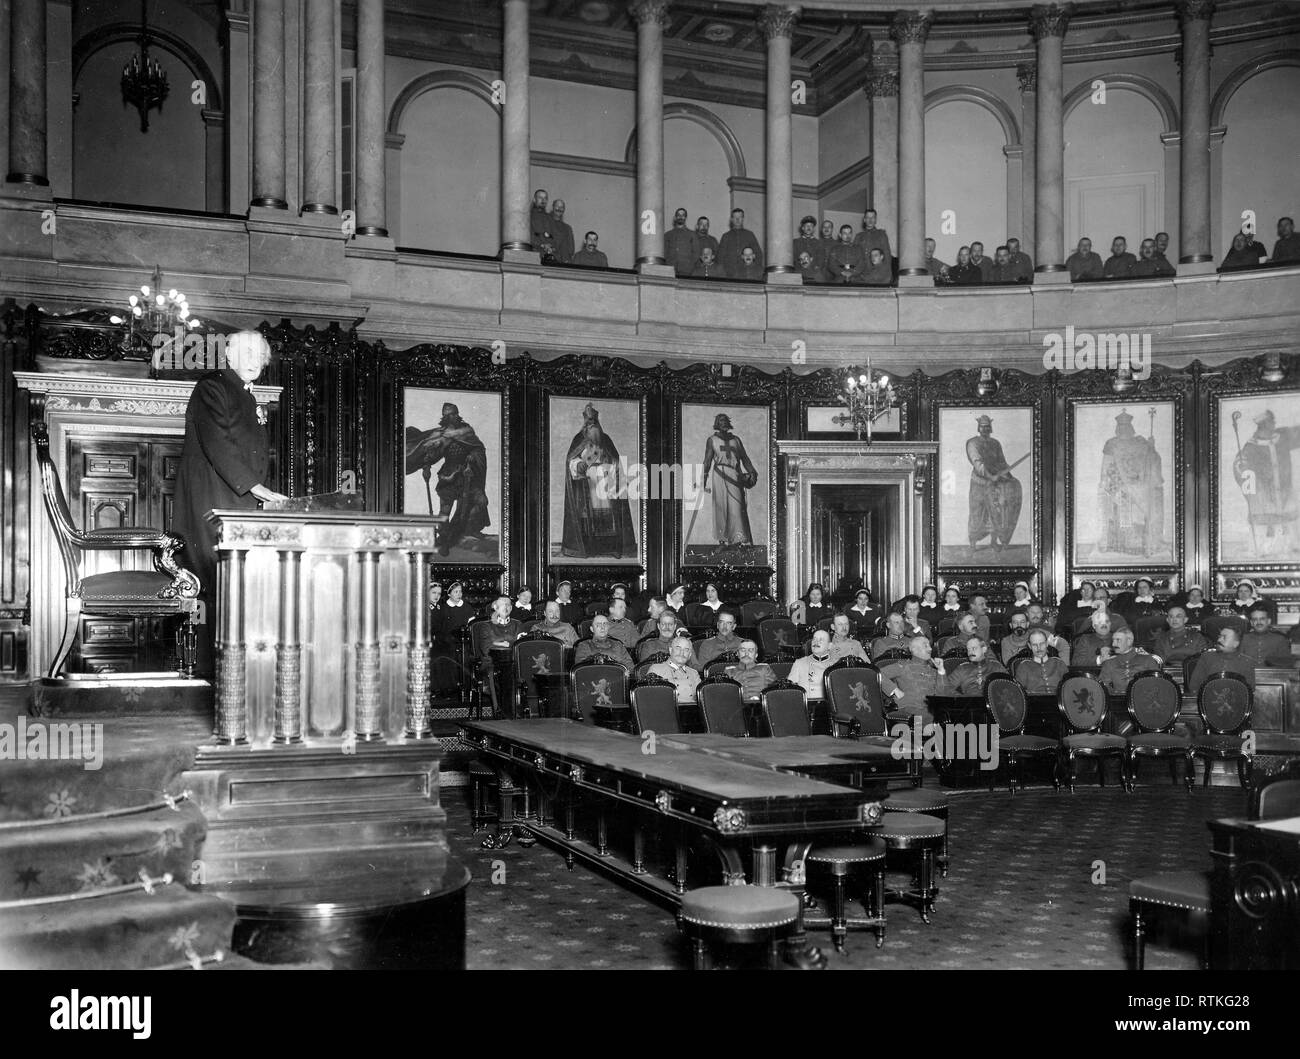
(1143, 86)
(179, 47)
(720, 130)
(1242, 74)
(476, 86)
(981, 97)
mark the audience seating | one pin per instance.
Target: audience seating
(785, 710)
(1212, 626)
(738, 915)
(540, 665)
(597, 684)
(722, 706)
(1144, 632)
(641, 670)
(1010, 709)
(1154, 703)
(718, 667)
(654, 707)
(1082, 702)
(778, 639)
(756, 610)
(1224, 702)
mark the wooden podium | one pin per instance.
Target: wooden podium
(322, 763)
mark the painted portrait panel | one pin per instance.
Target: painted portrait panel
(1124, 473)
(593, 463)
(1257, 480)
(453, 448)
(726, 484)
(987, 468)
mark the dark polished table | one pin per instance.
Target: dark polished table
(1255, 895)
(844, 761)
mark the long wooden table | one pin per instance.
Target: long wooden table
(687, 816)
(841, 761)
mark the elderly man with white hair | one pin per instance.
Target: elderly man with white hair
(224, 464)
(1093, 647)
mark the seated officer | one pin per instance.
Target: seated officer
(677, 670)
(1040, 673)
(601, 643)
(966, 631)
(663, 643)
(912, 680)
(1123, 663)
(724, 641)
(894, 638)
(1093, 647)
(1038, 620)
(1177, 643)
(1262, 645)
(844, 645)
(1018, 639)
(752, 675)
(552, 626)
(1225, 657)
(968, 678)
(623, 630)
(501, 631)
(807, 671)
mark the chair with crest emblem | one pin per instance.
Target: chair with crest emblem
(1082, 702)
(1224, 703)
(596, 686)
(1009, 707)
(1154, 703)
(540, 674)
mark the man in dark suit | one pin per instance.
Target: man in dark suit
(224, 463)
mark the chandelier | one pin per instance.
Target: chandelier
(155, 312)
(867, 395)
(144, 84)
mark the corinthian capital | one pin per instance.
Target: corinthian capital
(881, 83)
(1027, 75)
(910, 27)
(1049, 20)
(1195, 10)
(778, 21)
(644, 11)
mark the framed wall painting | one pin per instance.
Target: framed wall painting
(727, 485)
(1255, 480)
(988, 487)
(597, 481)
(453, 443)
(1123, 475)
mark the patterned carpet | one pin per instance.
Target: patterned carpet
(1020, 893)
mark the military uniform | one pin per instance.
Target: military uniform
(752, 679)
(969, 677)
(1266, 648)
(1040, 678)
(807, 673)
(916, 680)
(718, 645)
(847, 648)
(1119, 670)
(561, 630)
(1216, 661)
(683, 678)
(624, 632)
(881, 644)
(609, 647)
(1178, 646)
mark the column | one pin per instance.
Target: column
(232, 698)
(368, 722)
(320, 80)
(371, 218)
(1027, 75)
(1194, 155)
(268, 105)
(909, 30)
(516, 228)
(882, 91)
(214, 159)
(1047, 24)
(651, 20)
(417, 649)
(777, 24)
(28, 158)
(239, 109)
(288, 653)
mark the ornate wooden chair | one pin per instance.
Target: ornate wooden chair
(956, 651)
(1279, 795)
(722, 707)
(1224, 703)
(540, 673)
(785, 708)
(597, 685)
(778, 638)
(165, 590)
(756, 610)
(1154, 703)
(718, 666)
(1144, 632)
(654, 707)
(1082, 702)
(857, 707)
(1212, 626)
(641, 671)
(894, 654)
(1010, 709)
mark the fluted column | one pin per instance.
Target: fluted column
(320, 76)
(288, 653)
(1028, 78)
(1047, 24)
(516, 229)
(232, 698)
(368, 721)
(268, 105)
(651, 20)
(1194, 155)
(777, 24)
(371, 215)
(909, 31)
(418, 695)
(28, 157)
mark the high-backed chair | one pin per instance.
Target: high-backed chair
(1212, 626)
(894, 654)
(165, 590)
(596, 684)
(1010, 709)
(756, 610)
(642, 669)
(857, 706)
(1154, 703)
(654, 707)
(722, 706)
(717, 667)
(1082, 702)
(778, 637)
(1144, 631)
(1279, 795)
(540, 675)
(785, 709)
(1224, 702)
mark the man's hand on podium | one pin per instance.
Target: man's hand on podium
(267, 495)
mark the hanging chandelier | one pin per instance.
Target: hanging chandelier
(867, 395)
(144, 84)
(154, 312)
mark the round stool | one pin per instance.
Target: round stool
(908, 832)
(841, 860)
(932, 803)
(738, 915)
(1187, 891)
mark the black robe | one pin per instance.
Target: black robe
(594, 526)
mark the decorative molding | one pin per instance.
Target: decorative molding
(1149, 89)
(147, 396)
(1195, 11)
(1255, 65)
(428, 82)
(778, 22)
(1049, 20)
(574, 163)
(981, 97)
(881, 83)
(910, 27)
(645, 12)
(710, 121)
(1027, 76)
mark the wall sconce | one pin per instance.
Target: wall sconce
(1122, 381)
(988, 383)
(1272, 371)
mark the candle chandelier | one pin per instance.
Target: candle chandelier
(867, 395)
(154, 312)
(144, 84)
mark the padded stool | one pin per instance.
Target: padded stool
(738, 915)
(932, 803)
(908, 832)
(1188, 891)
(841, 860)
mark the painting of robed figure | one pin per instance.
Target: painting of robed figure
(594, 450)
(1258, 479)
(725, 475)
